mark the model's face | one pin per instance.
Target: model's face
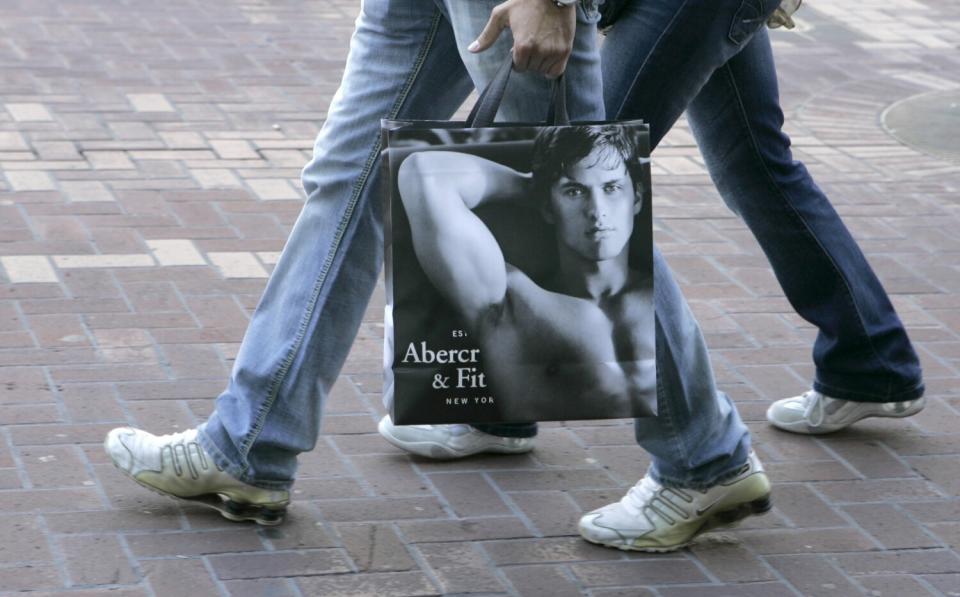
(592, 207)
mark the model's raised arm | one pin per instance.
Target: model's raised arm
(456, 250)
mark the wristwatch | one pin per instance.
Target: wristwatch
(563, 3)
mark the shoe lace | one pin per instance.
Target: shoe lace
(813, 408)
(649, 497)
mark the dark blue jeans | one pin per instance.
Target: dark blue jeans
(726, 79)
(713, 59)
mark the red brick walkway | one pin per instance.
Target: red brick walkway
(149, 160)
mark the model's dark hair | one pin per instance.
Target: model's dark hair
(556, 149)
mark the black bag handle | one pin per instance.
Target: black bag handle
(485, 110)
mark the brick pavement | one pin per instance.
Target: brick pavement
(149, 157)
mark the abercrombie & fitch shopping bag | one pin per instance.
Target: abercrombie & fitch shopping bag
(518, 270)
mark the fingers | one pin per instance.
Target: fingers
(491, 32)
(556, 69)
(542, 34)
(550, 62)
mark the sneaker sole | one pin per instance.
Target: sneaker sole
(231, 510)
(723, 519)
(439, 451)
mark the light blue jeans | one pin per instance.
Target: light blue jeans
(408, 61)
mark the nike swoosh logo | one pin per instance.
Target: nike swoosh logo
(702, 511)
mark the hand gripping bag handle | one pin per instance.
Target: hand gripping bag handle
(485, 110)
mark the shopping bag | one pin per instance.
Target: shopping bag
(519, 269)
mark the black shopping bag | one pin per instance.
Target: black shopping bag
(519, 269)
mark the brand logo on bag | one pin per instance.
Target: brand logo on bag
(467, 377)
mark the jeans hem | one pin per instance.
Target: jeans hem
(231, 468)
(698, 485)
(911, 393)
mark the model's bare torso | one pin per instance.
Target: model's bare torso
(584, 355)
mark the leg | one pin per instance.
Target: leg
(697, 437)
(302, 329)
(311, 309)
(656, 59)
(703, 474)
(862, 351)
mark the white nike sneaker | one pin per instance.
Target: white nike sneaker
(176, 466)
(816, 413)
(655, 518)
(445, 442)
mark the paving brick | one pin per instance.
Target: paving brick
(55, 466)
(892, 528)
(47, 435)
(28, 112)
(394, 584)
(30, 578)
(174, 252)
(24, 385)
(114, 592)
(368, 510)
(49, 500)
(268, 587)
(944, 471)
(762, 589)
(169, 577)
(945, 583)
(663, 570)
(389, 477)
(59, 330)
(459, 568)
(926, 561)
(469, 494)
(181, 544)
(375, 548)
(78, 261)
(803, 507)
(467, 529)
(806, 541)
(872, 491)
(265, 565)
(24, 269)
(25, 541)
(813, 575)
(542, 581)
(732, 563)
(870, 459)
(545, 480)
(86, 522)
(884, 585)
(97, 560)
(149, 102)
(551, 512)
(551, 550)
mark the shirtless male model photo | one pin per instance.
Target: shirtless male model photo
(580, 341)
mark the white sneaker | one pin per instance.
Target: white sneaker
(815, 413)
(655, 518)
(176, 466)
(445, 442)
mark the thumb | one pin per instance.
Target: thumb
(491, 32)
